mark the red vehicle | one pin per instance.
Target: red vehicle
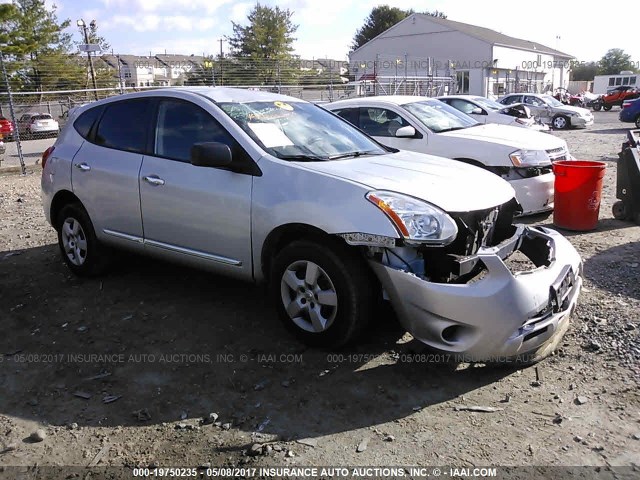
(614, 97)
(6, 129)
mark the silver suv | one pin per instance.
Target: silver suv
(269, 188)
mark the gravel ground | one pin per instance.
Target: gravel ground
(155, 364)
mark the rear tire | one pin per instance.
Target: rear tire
(597, 106)
(606, 108)
(80, 249)
(324, 293)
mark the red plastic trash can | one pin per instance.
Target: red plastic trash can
(578, 188)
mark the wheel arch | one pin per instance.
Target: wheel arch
(285, 234)
(60, 200)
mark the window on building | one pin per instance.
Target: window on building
(498, 88)
(625, 81)
(619, 81)
(612, 81)
(632, 80)
(463, 81)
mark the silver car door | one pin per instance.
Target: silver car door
(197, 214)
(105, 170)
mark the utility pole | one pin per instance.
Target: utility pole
(16, 131)
(83, 25)
(221, 61)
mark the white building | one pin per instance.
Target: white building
(602, 83)
(483, 61)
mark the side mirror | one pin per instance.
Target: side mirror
(211, 154)
(478, 111)
(406, 131)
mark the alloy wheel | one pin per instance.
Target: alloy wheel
(74, 241)
(309, 296)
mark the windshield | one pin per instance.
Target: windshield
(488, 104)
(439, 117)
(549, 100)
(300, 131)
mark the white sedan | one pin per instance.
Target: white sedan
(521, 156)
(484, 110)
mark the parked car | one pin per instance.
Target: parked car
(484, 110)
(37, 124)
(6, 129)
(549, 110)
(426, 125)
(615, 97)
(630, 112)
(261, 186)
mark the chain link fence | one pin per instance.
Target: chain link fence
(35, 99)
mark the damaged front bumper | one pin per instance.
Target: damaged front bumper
(500, 316)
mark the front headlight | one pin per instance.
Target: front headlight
(417, 220)
(529, 158)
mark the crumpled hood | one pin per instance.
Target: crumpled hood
(448, 184)
(515, 137)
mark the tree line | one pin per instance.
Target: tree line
(40, 55)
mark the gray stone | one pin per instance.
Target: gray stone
(581, 400)
(38, 436)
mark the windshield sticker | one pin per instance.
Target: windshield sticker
(270, 135)
(283, 105)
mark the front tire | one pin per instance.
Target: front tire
(597, 106)
(606, 108)
(80, 249)
(324, 295)
(560, 122)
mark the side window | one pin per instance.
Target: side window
(125, 125)
(86, 120)
(349, 114)
(513, 99)
(462, 105)
(380, 122)
(181, 124)
(536, 102)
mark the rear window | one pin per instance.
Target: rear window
(125, 125)
(42, 117)
(86, 120)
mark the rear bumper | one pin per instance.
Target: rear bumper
(34, 129)
(535, 194)
(501, 316)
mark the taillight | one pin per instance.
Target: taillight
(47, 153)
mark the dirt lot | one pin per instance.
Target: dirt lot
(125, 367)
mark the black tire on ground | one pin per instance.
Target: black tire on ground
(606, 108)
(619, 210)
(597, 106)
(638, 121)
(560, 122)
(91, 257)
(355, 287)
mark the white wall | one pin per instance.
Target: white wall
(419, 41)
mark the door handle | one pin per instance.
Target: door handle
(154, 180)
(83, 166)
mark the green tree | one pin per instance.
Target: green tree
(34, 42)
(263, 49)
(584, 71)
(615, 61)
(382, 18)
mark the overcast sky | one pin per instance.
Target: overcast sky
(326, 27)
